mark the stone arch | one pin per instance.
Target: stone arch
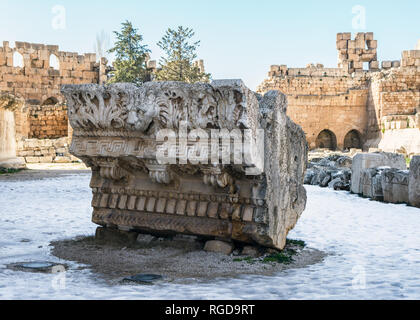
(50, 101)
(54, 62)
(326, 140)
(353, 140)
(18, 61)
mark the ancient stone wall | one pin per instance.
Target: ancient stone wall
(45, 150)
(353, 54)
(35, 73)
(351, 106)
(319, 97)
(48, 122)
(36, 80)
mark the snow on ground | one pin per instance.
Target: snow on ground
(374, 249)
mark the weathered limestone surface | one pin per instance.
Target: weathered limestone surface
(395, 185)
(28, 73)
(363, 161)
(371, 183)
(414, 182)
(8, 159)
(115, 130)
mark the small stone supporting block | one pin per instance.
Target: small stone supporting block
(219, 247)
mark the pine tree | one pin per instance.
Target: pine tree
(130, 56)
(178, 64)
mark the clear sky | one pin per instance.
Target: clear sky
(239, 39)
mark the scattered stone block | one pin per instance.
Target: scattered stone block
(414, 182)
(371, 183)
(364, 161)
(219, 247)
(395, 185)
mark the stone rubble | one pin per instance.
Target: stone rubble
(333, 172)
(364, 161)
(379, 176)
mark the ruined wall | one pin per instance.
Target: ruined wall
(352, 54)
(48, 122)
(346, 106)
(45, 150)
(36, 81)
(321, 100)
(35, 73)
(394, 107)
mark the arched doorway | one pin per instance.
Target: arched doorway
(50, 101)
(353, 140)
(326, 140)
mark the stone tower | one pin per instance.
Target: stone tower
(353, 53)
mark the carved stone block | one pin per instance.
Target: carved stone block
(245, 182)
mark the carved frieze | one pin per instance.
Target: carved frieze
(170, 157)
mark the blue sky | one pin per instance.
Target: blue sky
(239, 39)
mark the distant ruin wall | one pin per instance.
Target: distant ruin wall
(35, 80)
(349, 103)
(35, 73)
(48, 122)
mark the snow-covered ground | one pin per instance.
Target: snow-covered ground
(374, 249)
